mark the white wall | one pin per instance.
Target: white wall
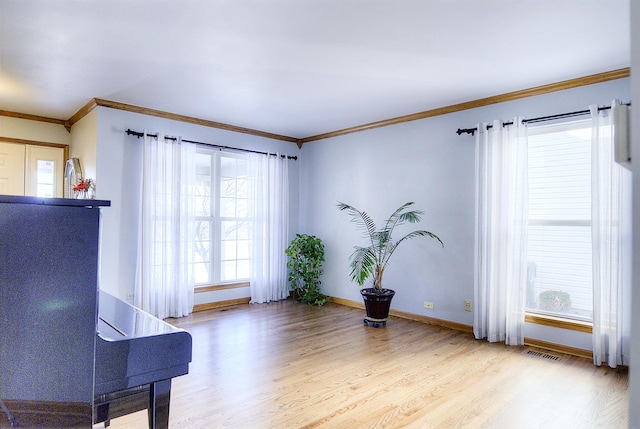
(119, 160)
(634, 365)
(427, 162)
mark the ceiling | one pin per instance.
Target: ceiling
(297, 68)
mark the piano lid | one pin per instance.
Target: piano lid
(134, 348)
(65, 202)
(119, 320)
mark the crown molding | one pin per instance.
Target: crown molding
(173, 116)
(81, 113)
(510, 96)
(31, 117)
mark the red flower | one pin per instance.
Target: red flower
(82, 186)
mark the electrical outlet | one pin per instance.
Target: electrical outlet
(467, 305)
(428, 305)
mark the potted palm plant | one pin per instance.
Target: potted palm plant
(372, 259)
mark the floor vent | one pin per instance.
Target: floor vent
(543, 355)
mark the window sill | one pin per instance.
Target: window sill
(559, 322)
(222, 286)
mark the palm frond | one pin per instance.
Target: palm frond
(413, 216)
(362, 262)
(362, 220)
(413, 234)
(390, 223)
(388, 250)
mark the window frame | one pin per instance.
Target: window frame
(215, 220)
(540, 316)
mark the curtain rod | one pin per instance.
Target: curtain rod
(139, 134)
(539, 119)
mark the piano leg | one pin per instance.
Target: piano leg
(159, 393)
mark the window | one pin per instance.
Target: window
(559, 251)
(45, 182)
(223, 223)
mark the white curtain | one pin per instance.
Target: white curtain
(165, 280)
(270, 192)
(611, 243)
(501, 232)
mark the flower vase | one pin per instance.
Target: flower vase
(84, 190)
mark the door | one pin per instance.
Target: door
(12, 156)
(44, 171)
(31, 170)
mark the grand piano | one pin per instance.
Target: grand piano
(71, 355)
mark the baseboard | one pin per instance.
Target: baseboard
(410, 316)
(219, 304)
(560, 348)
(433, 321)
(347, 302)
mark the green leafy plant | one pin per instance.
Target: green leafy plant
(306, 253)
(371, 261)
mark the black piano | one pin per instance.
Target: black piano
(71, 355)
(137, 355)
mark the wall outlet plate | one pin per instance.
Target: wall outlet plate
(467, 305)
(428, 304)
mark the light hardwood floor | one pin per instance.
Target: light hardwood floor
(287, 365)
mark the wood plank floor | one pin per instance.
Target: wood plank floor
(287, 365)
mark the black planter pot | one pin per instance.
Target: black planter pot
(376, 304)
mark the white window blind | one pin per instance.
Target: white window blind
(559, 249)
